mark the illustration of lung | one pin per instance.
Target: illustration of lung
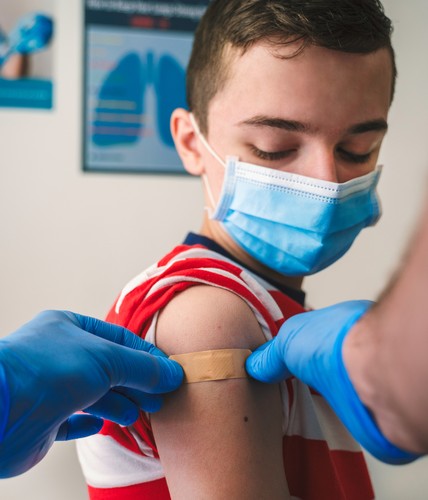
(170, 83)
(119, 114)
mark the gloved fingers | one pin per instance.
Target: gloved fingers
(115, 407)
(79, 426)
(149, 371)
(143, 371)
(150, 403)
(122, 405)
(113, 333)
(266, 363)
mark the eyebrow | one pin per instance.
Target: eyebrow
(268, 121)
(295, 126)
(379, 125)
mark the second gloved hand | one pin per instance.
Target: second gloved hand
(60, 363)
(309, 346)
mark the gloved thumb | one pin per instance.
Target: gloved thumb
(79, 426)
(267, 364)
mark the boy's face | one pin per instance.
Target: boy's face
(321, 114)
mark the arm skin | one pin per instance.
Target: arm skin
(17, 66)
(386, 352)
(218, 439)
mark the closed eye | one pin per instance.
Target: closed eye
(271, 155)
(353, 157)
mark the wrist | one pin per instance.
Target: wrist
(365, 363)
(362, 360)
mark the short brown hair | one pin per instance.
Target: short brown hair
(356, 26)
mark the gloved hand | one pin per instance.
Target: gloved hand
(60, 363)
(309, 346)
(32, 33)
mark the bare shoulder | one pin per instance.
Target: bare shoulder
(222, 438)
(206, 317)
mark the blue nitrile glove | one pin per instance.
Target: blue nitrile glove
(32, 33)
(60, 363)
(309, 346)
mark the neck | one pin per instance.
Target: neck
(213, 230)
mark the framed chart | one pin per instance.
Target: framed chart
(26, 54)
(136, 53)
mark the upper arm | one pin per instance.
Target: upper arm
(218, 439)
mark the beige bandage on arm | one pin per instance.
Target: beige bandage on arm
(219, 364)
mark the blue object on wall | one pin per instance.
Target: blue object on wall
(119, 113)
(120, 107)
(171, 94)
(32, 33)
(26, 93)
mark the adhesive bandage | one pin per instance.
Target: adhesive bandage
(219, 364)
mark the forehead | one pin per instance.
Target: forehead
(319, 85)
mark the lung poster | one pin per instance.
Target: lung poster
(27, 30)
(136, 53)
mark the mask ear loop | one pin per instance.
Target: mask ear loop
(211, 209)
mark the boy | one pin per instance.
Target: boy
(299, 93)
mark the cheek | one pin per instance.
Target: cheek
(347, 173)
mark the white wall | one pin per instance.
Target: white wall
(71, 240)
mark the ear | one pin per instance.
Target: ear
(186, 141)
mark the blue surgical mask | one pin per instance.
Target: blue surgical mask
(293, 224)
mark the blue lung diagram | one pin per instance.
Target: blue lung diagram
(119, 115)
(170, 83)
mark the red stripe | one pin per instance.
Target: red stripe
(288, 306)
(352, 470)
(155, 490)
(316, 473)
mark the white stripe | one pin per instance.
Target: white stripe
(151, 332)
(106, 464)
(135, 283)
(303, 420)
(336, 434)
(312, 418)
(142, 445)
(285, 402)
